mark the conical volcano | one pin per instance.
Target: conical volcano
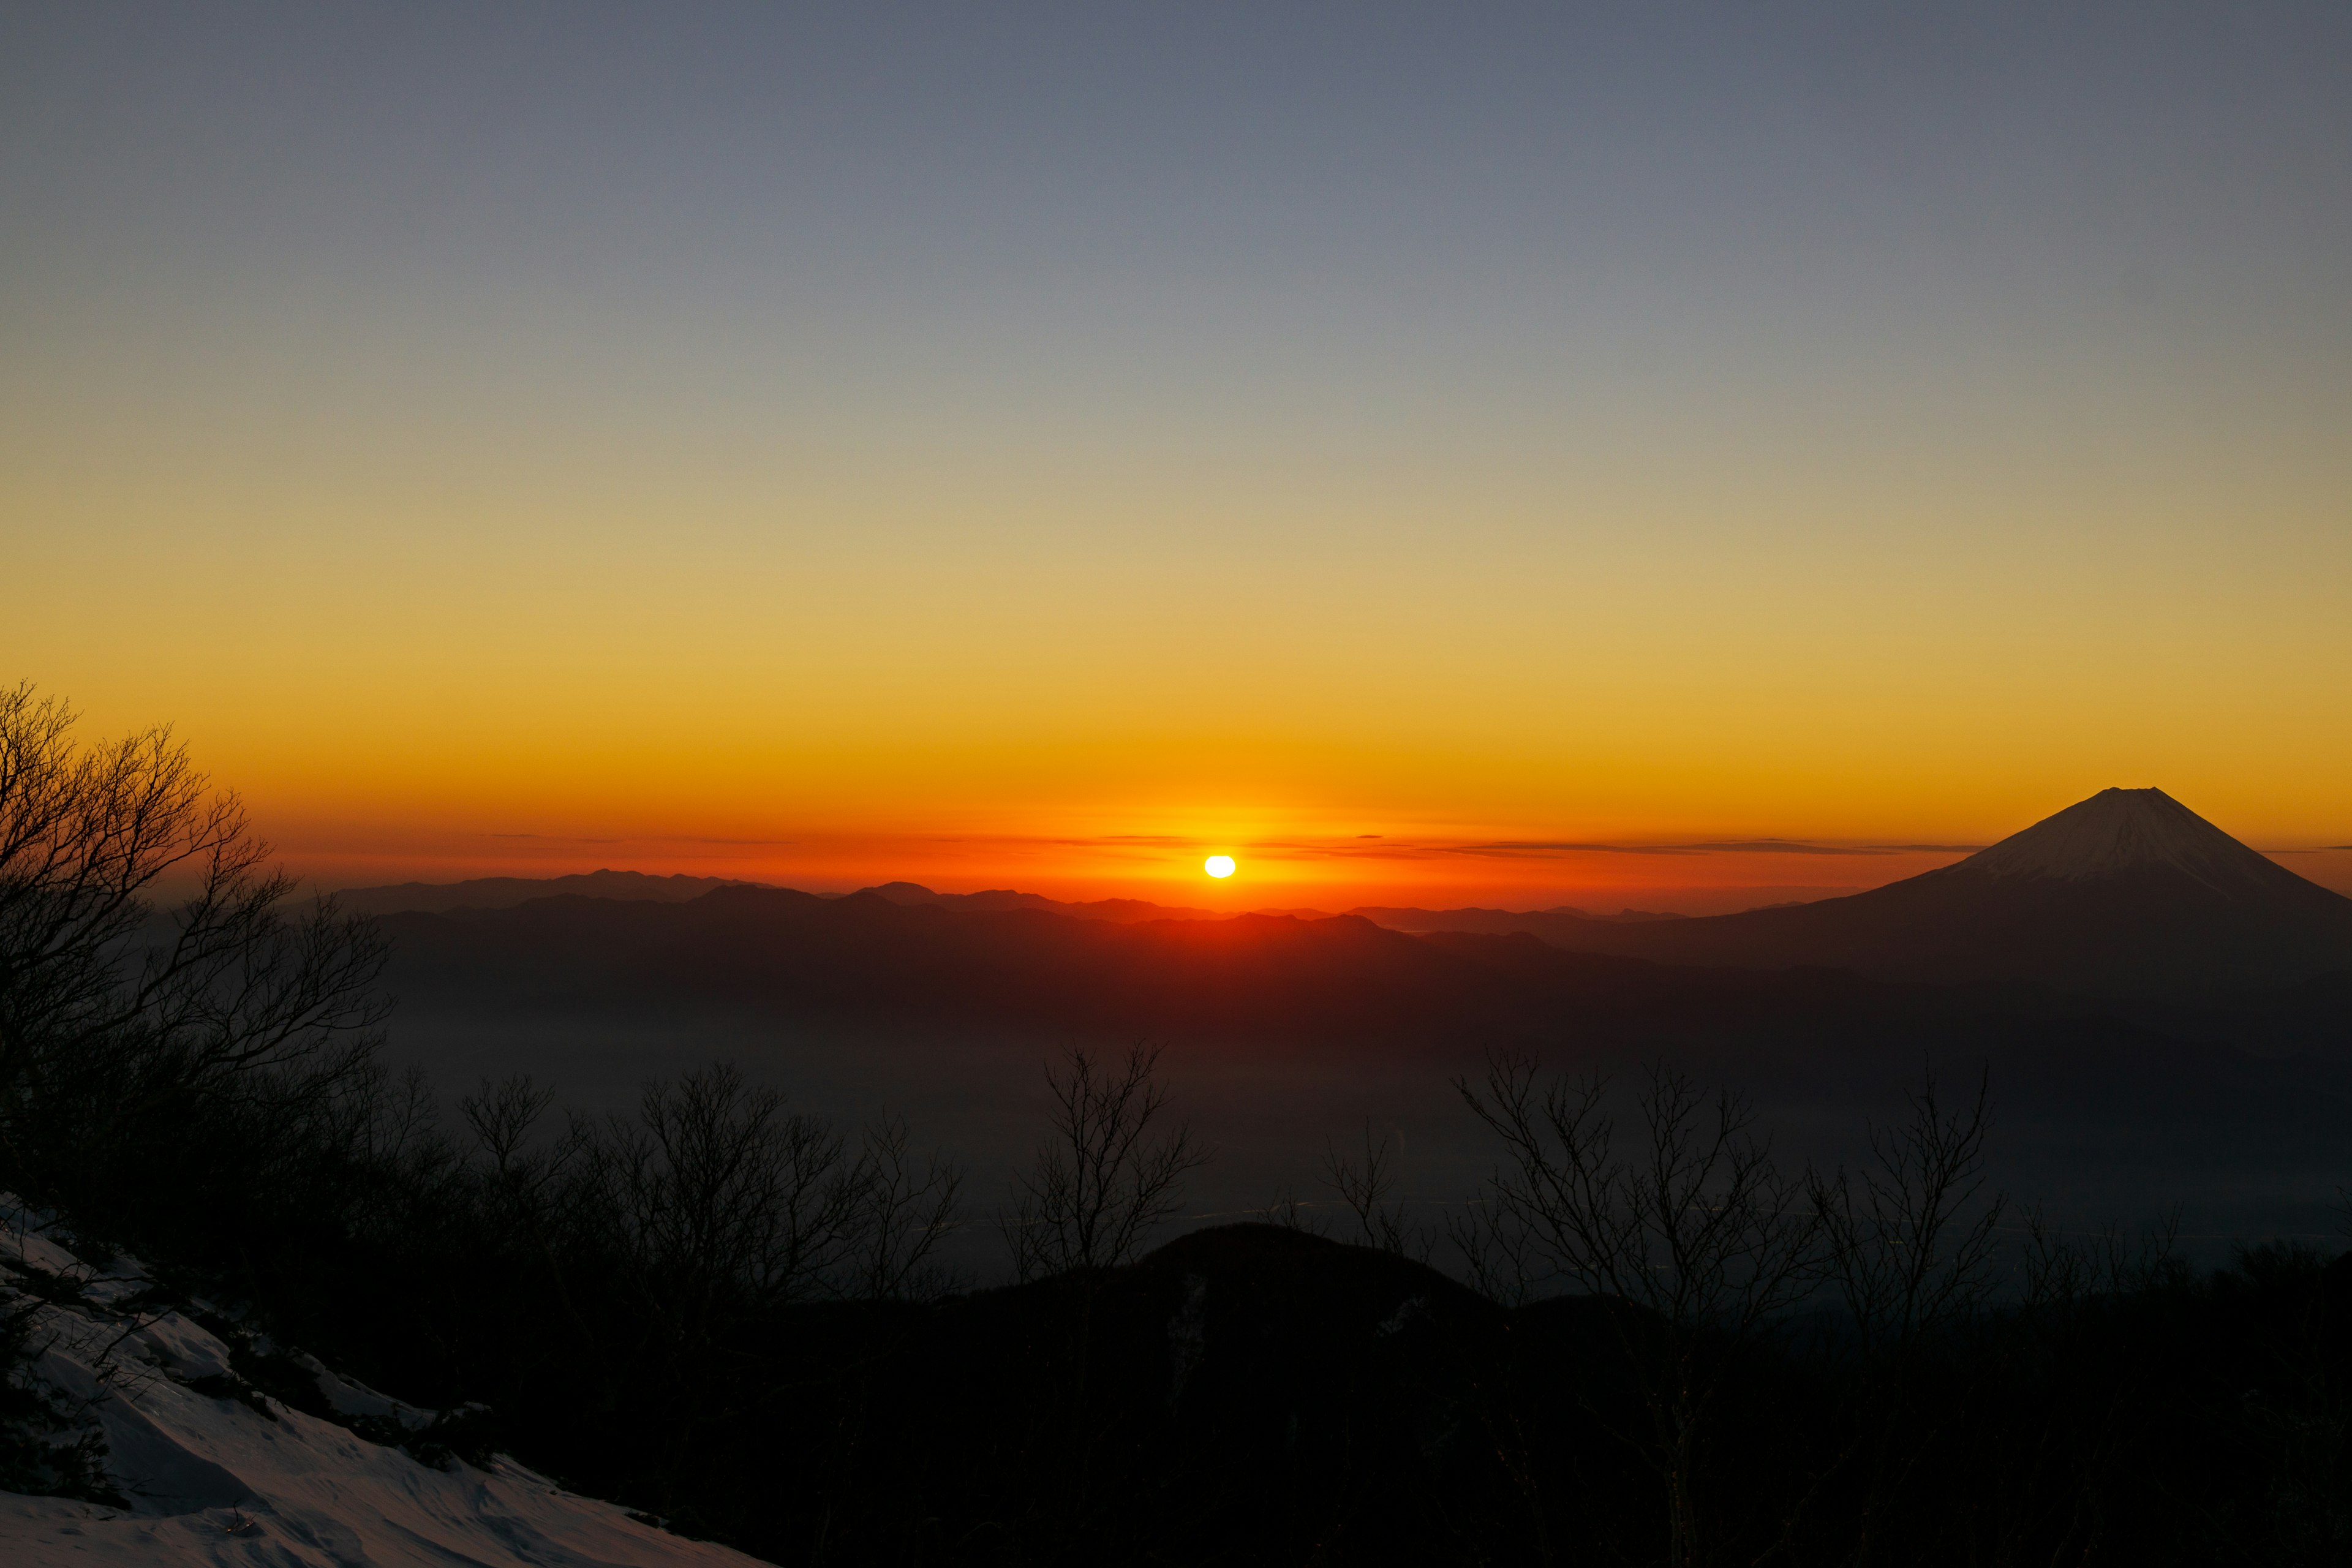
(2128, 893)
(2133, 833)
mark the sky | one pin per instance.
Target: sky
(1042, 445)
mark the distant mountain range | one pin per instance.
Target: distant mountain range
(2127, 895)
(1338, 981)
(506, 892)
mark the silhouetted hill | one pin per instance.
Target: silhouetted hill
(1255, 1395)
(2126, 894)
(1226, 1376)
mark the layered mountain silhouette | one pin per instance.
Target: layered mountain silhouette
(2126, 896)
(2128, 893)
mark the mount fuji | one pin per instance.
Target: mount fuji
(2128, 893)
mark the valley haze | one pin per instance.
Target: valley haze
(2157, 1008)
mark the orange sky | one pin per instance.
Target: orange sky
(775, 445)
(1292, 872)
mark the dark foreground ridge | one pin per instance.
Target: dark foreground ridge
(1252, 1393)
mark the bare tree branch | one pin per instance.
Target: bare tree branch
(1106, 1175)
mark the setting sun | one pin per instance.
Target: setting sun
(1218, 866)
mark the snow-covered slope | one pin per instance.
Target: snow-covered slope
(210, 1470)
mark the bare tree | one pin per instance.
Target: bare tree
(910, 1211)
(1910, 1235)
(1909, 1249)
(108, 1010)
(723, 1191)
(534, 1190)
(1694, 1236)
(722, 1202)
(2065, 1274)
(2050, 1457)
(1108, 1172)
(1369, 1191)
(1497, 1252)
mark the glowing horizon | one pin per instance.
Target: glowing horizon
(1681, 875)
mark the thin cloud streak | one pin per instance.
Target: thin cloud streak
(1735, 846)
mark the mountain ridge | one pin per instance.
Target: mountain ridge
(2126, 894)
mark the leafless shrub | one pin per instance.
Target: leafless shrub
(1108, 1172)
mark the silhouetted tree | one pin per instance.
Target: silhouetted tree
(1694, 1238)
(1108, 1172)
(1369, 1191)
(122, 1027)
(1910, 1252)
(675, 1242)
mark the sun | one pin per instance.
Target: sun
(1218, 865)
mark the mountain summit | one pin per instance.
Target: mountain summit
(2121, 832)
